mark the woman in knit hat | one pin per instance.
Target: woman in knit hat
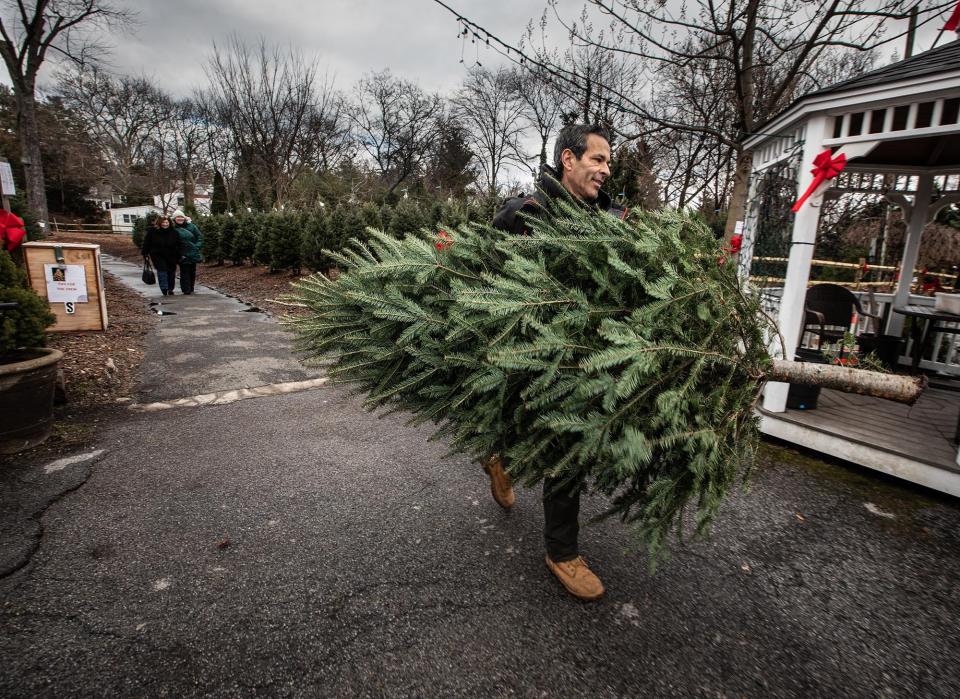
(191, 246)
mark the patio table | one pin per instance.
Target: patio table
(919, 331)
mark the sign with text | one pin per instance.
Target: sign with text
(6, 179)
(66, 283)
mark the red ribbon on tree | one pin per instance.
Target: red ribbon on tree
(825, 168)
(12, 232)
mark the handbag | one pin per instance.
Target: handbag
(148, 275)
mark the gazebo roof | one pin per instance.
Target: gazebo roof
(932, 75)
(933, 62)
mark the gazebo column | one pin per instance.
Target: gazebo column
(803, 237)
(911, 250)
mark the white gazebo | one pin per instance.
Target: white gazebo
(899, 130)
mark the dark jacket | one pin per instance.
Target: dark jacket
(510, 216)
(191, 243)
(163, 247)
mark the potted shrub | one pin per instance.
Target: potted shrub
(28, 370)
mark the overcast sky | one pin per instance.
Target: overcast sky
(416, 39)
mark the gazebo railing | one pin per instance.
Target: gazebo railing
(943, 349)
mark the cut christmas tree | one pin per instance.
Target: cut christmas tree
(623, 356)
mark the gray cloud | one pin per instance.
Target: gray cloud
(416, 39)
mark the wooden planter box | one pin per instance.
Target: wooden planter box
(89, 310)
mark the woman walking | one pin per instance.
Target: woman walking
(162, 245)
(191, 245)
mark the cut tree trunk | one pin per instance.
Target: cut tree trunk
(895, 387)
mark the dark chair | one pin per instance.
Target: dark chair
(828, 309)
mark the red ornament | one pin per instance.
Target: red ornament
(12, 232)
(825, 167)
(736, 242)
(446, 240)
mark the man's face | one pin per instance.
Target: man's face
(583, 177)
(179, 220)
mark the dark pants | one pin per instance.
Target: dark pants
(167, 279)
(561, 520)
(188, 275)
(166, 273)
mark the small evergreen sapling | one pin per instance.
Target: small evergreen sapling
(286, 242)
(266, 229)
(25, 325)
(212, 227)
(314, 241)
(228, 230)
(244, 239)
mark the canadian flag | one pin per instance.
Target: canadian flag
(954, 22)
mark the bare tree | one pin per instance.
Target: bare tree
(218, 144)
(490, 108)
(768, 51)
(28, 33)
(329, 142)
(394, 122)
(266, 99)
(185, 134)
(451, 168)
(123, 114)
(71, 161)
(543, 106)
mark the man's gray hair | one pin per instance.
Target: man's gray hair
(574, 137)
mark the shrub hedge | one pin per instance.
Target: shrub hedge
(283, 240)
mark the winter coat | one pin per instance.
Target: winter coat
(163, 247)
(191, 243)
(510, 216)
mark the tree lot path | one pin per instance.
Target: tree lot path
(295, 545)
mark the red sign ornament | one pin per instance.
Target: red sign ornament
(825, 168)
(12, 232)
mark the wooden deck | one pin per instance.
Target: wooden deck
(914, 443)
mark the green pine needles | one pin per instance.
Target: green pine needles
(619, 354)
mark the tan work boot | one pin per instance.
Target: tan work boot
(501, 486)
(579, 580)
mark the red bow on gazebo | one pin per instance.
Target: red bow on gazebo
(12, 232)
(953, 23)
(825, 168)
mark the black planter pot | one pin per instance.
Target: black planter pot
(886, 347)
(801, 397)
(27, 387)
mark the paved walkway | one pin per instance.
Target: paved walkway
(296, 545)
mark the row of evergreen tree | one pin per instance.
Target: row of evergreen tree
(295, 240)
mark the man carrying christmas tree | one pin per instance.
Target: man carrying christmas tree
(581, 164)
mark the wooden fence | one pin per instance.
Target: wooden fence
(68, 227)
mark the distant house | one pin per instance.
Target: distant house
(202, 197)
(104, 197)
(123, 217)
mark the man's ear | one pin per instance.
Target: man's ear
(566, 159)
